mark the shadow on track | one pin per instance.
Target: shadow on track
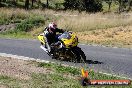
(87, 62)
(93, 62)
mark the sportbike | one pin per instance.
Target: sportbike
(65, 49)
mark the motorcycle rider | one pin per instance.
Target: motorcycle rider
(50, 34)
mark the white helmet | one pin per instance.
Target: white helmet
(52, 26)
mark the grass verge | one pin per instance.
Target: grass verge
(103, 29)
(32, 74)
(118, 36)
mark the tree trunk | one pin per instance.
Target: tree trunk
(4, 0)
(109, 6)
(26, 4)
(109, 3)
(47, 3)
(120, 5)
(32, 2)
(14, 2)
(129, 5)
(39, 3)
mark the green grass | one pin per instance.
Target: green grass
(10, 82)
(18, 35)
(74, 71)
(31, 23)
(94, 22)
(28, 19)
(25, 22)
(57, 79)
(54, 81)
(60, 68)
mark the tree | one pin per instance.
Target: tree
(0, 4)
(39, 3)
(74, 4)
(32, 2)
(123, 5)
(93, 5)
(129, 5)
(120, 5)
(14, 2)
(47, 4)
(4, 0)
(26, 4)
(109, 2)
(81, 5)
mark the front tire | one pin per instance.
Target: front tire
(79, 55)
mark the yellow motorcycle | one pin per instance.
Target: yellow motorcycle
(65, 49)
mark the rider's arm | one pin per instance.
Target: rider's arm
(46, 29)
(60, 30)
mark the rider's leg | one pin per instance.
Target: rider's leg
(47, 42)
(57, 42)
(56, 38)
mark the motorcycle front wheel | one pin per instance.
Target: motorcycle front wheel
(79, 55)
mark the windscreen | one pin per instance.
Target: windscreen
(65, 35)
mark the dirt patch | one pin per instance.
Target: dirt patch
(7, 27)
(19, 68)
(117, 36)
(3, 86)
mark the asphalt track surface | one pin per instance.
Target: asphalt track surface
(116, 61)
